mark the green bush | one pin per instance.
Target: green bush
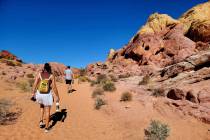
(109, 86)
(99, 102)
(97, 92)
(126, 96)
(30, 75)
(158, 92)
(145, 80)
(157, 131)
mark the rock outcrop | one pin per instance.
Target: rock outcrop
(9, 56)
(165, 41)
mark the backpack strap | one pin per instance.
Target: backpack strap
(50, 77)
(40, 76)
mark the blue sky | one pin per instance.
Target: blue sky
(76, 32)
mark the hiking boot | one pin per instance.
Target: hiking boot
(41, 124)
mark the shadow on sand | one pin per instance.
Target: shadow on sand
(58, 116)
(71, 91)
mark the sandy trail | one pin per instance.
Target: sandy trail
(82, 121)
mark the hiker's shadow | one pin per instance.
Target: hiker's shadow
(58, 116)
(73, 90)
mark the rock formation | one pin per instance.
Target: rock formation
(173, 55)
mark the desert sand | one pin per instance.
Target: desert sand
(114, 121)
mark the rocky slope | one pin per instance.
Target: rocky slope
(167, 57)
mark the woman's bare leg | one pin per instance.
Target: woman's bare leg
(42, 112)
(47, 109)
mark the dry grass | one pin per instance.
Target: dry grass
(30, 75)
(6, 116)
(24, 86)
(158, 92)
(83, 79)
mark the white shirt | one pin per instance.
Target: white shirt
(68, 73)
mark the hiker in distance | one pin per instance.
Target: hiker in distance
(69, 78)
(43, 89)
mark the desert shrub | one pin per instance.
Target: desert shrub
(97, 92)
(113, 78)
(126, 75)
(83, 79)
(7, 117)
(93, 82)
(24, 86)
(158, 92)
(145, 80)
(126, 96)
(157, 131)
(82, 72)
(30, 75)
(102, 78)
(109, 86)
(31, 82)
(99, 102)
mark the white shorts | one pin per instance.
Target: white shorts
(44, 99)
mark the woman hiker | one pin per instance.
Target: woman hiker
(42, 90)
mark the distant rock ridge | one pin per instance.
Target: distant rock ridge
(12, 68)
